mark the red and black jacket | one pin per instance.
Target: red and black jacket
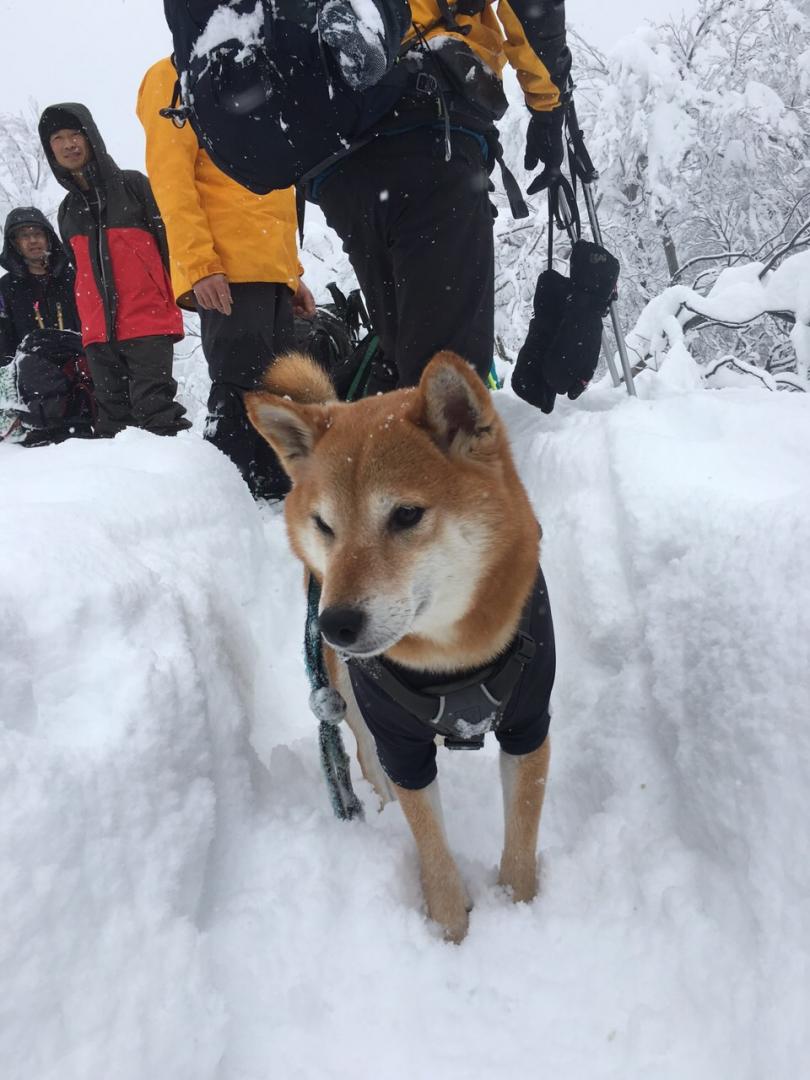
(117, 242)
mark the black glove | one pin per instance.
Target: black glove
(574, 353)
(562, 346)
(544, 144)
(528, 378)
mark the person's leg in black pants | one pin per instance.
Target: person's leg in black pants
(418, 231)
(134, 386)
(238, 348)
(152, 389)
(110, 373)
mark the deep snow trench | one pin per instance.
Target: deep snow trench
(177, 901)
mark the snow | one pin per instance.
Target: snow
(226, 25)
(739, 295)
(178, 900)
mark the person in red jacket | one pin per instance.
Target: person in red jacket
(111, 226)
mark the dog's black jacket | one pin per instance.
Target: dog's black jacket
(406, 745)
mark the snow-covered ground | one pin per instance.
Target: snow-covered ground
(177, 901)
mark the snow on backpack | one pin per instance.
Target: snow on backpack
(275, 88)
(54, 386)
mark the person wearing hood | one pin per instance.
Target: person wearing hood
(37, 291)
(39, 325)
(111, 226)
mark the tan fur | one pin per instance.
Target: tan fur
(366, 751)
(445, 895)
(522, 808)
(298, 378)
(442, 596)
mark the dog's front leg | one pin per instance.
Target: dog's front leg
(446, 897)
(524, 785)
(366, 750)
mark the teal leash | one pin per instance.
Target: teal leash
(325, 702)
(329, 709)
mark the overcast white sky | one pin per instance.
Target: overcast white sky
(96, 51)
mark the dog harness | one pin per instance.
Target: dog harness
(405, 710)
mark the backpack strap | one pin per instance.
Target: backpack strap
(517, 204)
(178, 114)
(300, 208)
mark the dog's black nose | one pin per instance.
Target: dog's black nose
(342, 625)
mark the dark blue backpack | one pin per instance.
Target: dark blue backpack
(276, 88)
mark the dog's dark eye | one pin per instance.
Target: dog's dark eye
(321, 525)
(405, 517)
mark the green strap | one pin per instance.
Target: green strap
(371, 348)
(334, 760)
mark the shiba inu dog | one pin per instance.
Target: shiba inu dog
(408, 509)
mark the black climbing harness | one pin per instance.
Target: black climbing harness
(465, 708)
(434, 85)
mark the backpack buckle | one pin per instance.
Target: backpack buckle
(427, 84)
(178, 116)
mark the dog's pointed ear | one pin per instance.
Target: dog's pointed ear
(291, 429)
(455, 406)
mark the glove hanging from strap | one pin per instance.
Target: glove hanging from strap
(561, 350)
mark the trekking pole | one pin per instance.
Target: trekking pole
(567, 217)
(582, 168)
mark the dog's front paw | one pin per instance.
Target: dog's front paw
(519, 877)
(454, 922)
(449, 905)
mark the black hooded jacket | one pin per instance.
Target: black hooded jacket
(33, 301)
(116, 240)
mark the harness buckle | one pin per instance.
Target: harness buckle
(453, 742)
(526, 648)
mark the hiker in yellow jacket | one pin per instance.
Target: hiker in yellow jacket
(411, 201)
(234, 260)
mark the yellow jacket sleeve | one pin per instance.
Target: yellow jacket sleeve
(171, 160)
(535, 46)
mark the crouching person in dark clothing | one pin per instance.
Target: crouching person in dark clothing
(54, 385)
(129, 322)
(39, 331)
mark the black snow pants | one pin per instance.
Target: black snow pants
(134, 386)
(418, 232)
(238, 348)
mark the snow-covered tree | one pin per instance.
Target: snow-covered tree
(25, 177)
(702, 129)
